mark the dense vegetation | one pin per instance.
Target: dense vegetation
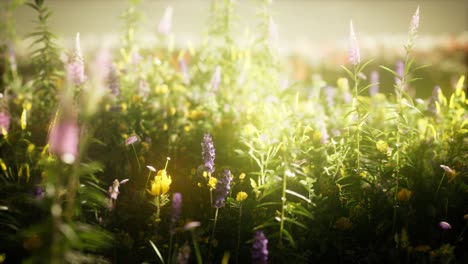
(208, 154)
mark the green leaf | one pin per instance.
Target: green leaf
(289, 237)
(156, 250)
(389, 70)
(300, 196)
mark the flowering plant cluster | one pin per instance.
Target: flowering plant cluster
(262, 166)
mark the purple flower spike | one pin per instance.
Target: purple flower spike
(39, 192)
(445, 226)
(216, 79)
(4, 122)
(259, 249)
(184, 70)
(208, 153)
(330, 96)
(354, 55)
(63, 139)
(435, 93)
(113, 81)
(75, 68)
(135, 57)
(222, 189)
(400, 70)
(374, 80)
(176, 210)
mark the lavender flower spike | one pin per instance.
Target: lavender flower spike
(208, 153)
(222, 189)
(165, 24)
(414, 25)
(176, 210)
(374, 80)
(354, 55)
(75, 68)
(259, 249)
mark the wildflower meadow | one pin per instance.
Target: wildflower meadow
(227, 151)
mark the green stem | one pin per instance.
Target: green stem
(169, 258)
(211, 190)
(358, 126)
(213, 232)
(136, 157)
(438, 187)
(283, 205)
(197, 249)
(238, 234)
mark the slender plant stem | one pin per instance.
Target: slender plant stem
(238, 234)
(358, 125)
(197, 249)
(169, 255)
(213, 232)
(136, 157)
(283, 205)
(438, 187)
(211, 190)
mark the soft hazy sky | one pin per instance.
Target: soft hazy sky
(313, 20)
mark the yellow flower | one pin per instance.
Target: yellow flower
(317, 136)
(242, 177)
(404, 195)
(196, 114)
(241, 196)
(212, 182)
(422, 248)
(343, 224)
(382, 146)
(160, 184)
(3, 165)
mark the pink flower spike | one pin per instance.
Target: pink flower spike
(444, 225)
(414, 25)
(75, 68)
(131, 139)
(192, 225)
(354, 55)
(63, 139)
(4, 123)
(124, 181)
(273, 31)
(165, 24)
(151, 168)
(447, 169)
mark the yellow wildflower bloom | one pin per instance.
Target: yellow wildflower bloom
(241, 196)
(242, 177)
(343, 224)
(161, 183)
(3, 165)
(23, 120)
(212, 182)
(404, 195)
(382, 146)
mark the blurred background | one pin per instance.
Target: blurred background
(313, 33)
